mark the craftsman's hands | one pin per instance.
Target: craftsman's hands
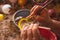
(30, 33)
(43, 16)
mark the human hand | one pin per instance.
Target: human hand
(30, 33)
(43, 16)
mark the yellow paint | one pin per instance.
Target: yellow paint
(1, 17)
(20, 21)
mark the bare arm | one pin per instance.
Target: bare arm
(55, 24)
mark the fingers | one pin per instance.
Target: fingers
(33, 8)
(29, 32)
(26, 33)
(23, 35)
(36, 10)
(39, 18)
(36, 35)
(33, 11)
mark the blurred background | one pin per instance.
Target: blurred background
(7, 29)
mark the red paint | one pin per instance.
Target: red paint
(47, 34)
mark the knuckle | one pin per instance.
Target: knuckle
(35, 28)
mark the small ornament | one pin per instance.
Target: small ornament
(50, 11)
(1, 17)
(6, 8)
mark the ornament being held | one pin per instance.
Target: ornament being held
(6, 8)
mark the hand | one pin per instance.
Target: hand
(30, 33)
(43, 18)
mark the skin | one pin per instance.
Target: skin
(30, 33)
(45, 19)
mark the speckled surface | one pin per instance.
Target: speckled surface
(8, 30)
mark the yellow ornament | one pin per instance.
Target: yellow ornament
(23, 20)
(20, 22)
(1, 17)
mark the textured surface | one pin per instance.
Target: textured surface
(8, 30)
